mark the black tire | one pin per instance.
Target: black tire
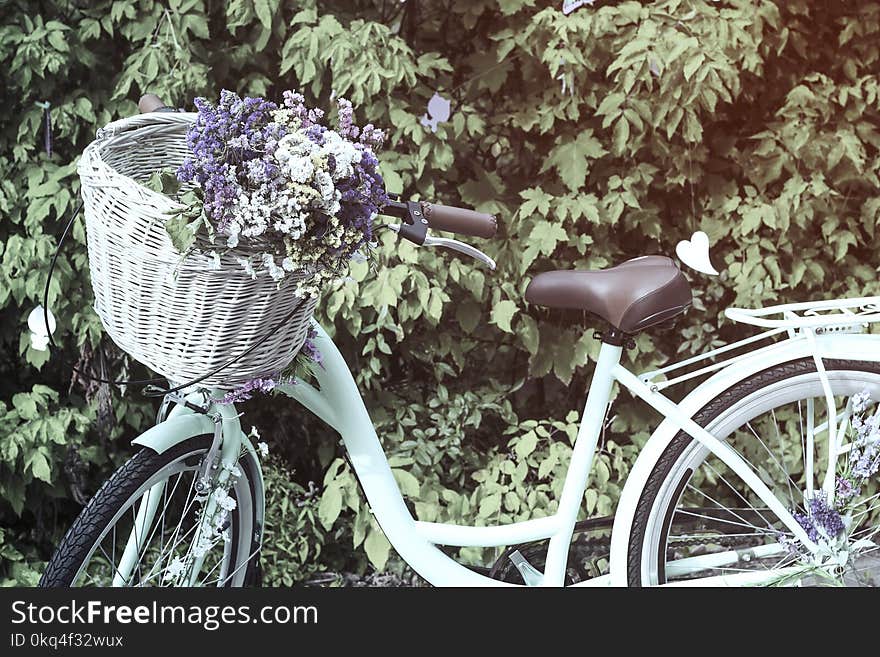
(116, 493)
(664, 466)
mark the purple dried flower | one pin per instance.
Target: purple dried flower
(309, 194)
(865, 460)
(821, 519)
(845, 491)
(247, 390)
(310, 349)
(221, 139)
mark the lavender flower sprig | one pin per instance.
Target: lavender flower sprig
(824, 522)
(308, 356)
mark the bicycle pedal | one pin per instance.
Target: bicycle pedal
(531, 575)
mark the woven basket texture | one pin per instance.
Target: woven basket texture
(179, 317)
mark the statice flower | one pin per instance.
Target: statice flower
(860, 401)
(224, 500)
(174, 569)
(864, 455)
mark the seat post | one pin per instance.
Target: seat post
(615, 337)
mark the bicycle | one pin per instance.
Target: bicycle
(717, 496)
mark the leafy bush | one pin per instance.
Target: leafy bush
(610, 133)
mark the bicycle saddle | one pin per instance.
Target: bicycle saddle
(631, 296)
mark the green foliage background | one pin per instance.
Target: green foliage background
(753, 120)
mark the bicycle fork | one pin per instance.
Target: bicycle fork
(212, 475)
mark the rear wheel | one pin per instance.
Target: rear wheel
(696, 521)
(108, 545)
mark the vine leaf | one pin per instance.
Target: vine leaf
(377, 548)
(502, 313)
(571, 158)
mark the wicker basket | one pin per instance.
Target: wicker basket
(181, 318)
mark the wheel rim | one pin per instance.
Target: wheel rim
(171, 534)
(685, 500)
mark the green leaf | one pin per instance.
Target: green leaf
(602, 473)
(468, 315)
(180, 231)
(490, 505)
(693, 64)
(502, 313)
(546, 235)
(526, 444)
(164, 182)
(330, 505)
(547, 465)
(527, 330)
(621, 136)
(264, 12)
(40, 467)
(571, 158)
(536, 200)
(25, 405)
(377, 548)
(408, 484)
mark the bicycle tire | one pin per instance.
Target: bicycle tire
(647, 510)
(121, 490)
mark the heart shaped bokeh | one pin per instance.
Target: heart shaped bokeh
(695, 253)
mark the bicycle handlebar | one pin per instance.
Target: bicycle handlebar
(460, 220)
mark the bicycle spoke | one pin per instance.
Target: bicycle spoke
(722, 520)
(736, 492)
(735, 515)
(788, 479)
(172, 542)
(775, 460)
(111, 562)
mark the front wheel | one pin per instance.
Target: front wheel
(696, 522)
(148, 525)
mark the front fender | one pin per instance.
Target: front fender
(174, 431)
(842, 346)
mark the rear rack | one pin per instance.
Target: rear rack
(800, 321)
(841, 314)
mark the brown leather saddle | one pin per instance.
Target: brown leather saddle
(631, 296)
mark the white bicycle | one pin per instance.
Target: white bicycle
(742, 483)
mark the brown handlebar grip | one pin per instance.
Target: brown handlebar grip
(460, 220)
(150, 103)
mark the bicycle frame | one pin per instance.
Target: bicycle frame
(338, 402)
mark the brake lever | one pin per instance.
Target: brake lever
(461, 247)
(454, 245)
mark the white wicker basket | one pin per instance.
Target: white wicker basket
(180, 318)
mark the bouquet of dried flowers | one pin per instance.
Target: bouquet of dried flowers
(278, 186)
